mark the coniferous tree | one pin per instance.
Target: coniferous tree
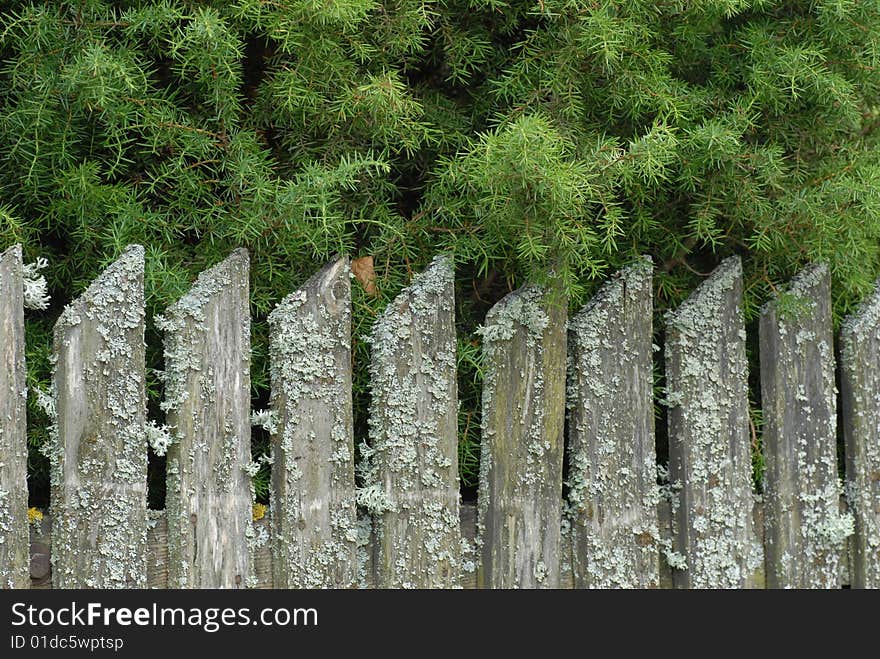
(519, 135)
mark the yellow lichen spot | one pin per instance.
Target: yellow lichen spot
(259, 511)
(34, 515)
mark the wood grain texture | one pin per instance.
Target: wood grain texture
(412, 484)
(860, 400)
(207, 399)
(612, 482)
(14, 558)
(314, 520)
(98, 449)
(709, 449)
(804, 529)
(520, 488)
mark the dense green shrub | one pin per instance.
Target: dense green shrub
(517, 134)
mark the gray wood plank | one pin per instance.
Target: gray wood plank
(612, 483)
(314, 520)
(709, 448)
(860, 399)
(520, 488)
(412, 486)
(99, 459)
(804, 530)
(207, 399)
(14, 557)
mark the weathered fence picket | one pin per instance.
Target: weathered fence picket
(101, 535)
(520, 488)
(612, 489)
(411, 483)
(207, 399)
(13, 441)
(99, 453)
(709, 449)
(804, 531)
(314, 518)
(860, 398)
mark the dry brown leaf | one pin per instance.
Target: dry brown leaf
(364, 272)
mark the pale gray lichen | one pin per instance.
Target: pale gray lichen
(35, 289)
(154, 517)
(521, 311)
(666, 489)
(207, 400)
(265, 419)
(709, 438)
(674, 559)
(612, 490)
(14, 558)
(45, 400)
(860, 380)
(469, 556)
(314, 514)
(804, 527)
(520, 480)
(159, 437)
(409, 471)
(99, 341)
(364, 532)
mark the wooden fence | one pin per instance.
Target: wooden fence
(402, 525)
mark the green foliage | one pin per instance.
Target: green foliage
(527, 137)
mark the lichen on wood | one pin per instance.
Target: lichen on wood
(207, 398)
(520, 486)
(98, 450)
(411, 477)
(314, 517)
(709, 447)
(612, 490)
(14, 557)
(804, 528)
(860, 398)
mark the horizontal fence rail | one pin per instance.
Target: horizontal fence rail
(569, 491)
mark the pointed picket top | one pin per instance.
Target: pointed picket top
(804, 531)
(520, 488)
(860, 397)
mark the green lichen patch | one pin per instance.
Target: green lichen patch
(804, 527)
